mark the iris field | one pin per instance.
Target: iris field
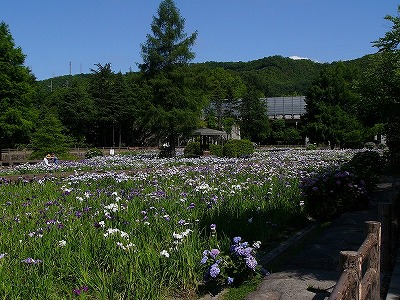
(137, 227)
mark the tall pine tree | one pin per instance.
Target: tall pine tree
(175, 105)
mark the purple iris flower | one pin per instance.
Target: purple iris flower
(77, 292)
(31, 261)
(214, 253)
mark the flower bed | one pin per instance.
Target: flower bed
(146, 233)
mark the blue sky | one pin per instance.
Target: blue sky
(53, 33)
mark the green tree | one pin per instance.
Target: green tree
(335, 126)
(101, 83)
(123, 108)
(224, 89)
(278, 127)
(291, 136)
(254, 123)
(169, 45)
(17, 92)
(331, 107)
(280, 133)
(76, 111)
(50, 137)
(385, 81)
(176, 103)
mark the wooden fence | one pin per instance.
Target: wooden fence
(361, 269)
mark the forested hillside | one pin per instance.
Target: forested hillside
(274, 76)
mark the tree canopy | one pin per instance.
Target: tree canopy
(381, 88)
(17, 93)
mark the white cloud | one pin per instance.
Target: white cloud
(295, 57)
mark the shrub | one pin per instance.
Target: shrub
(311, 147)
(192, 149)
(217, 150)
(231, 268)
(238, 148)
(93, 153)
(367, 166)
(369, 145)
(330, 194)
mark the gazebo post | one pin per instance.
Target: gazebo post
(201, 144)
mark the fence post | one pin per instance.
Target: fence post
(352, 261)
(385, 217)
(395, 236)
(374, 257)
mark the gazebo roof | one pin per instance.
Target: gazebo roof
(208, 132)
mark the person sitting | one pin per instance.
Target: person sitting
(46, 159)
(55, 159)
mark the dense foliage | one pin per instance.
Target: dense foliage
(382, 87)
(192, 149)
(93, 153)
(238, 148)
(18, 113)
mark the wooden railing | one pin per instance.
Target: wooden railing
(361, 269)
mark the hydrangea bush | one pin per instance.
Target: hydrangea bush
(230, 267)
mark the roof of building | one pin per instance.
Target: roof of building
(276, 107)
(208, 132)
(283, 106)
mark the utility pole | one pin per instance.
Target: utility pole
(51, 83)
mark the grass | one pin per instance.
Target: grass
(241, 292)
